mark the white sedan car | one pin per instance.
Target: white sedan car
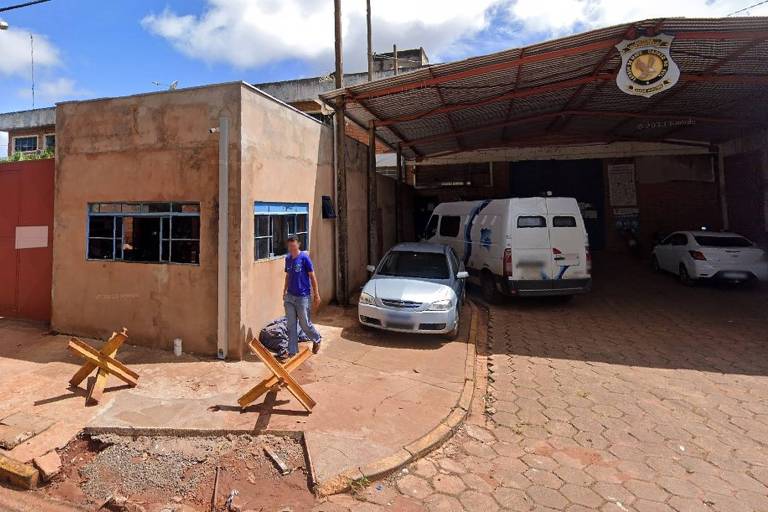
(699, 255)
(417, 287)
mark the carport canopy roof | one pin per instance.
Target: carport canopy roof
(564, 92)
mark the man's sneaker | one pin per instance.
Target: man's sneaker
(282, 358)
(315, 347)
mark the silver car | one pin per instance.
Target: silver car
(418, 288)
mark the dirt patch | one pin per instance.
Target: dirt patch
(178, 473)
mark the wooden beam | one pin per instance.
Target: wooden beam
(109, 364)
(110, 347)
(272, 381)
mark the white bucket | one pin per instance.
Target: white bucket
(177, 346)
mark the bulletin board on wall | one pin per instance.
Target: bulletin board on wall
(622, 194)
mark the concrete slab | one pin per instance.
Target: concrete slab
(376, 392)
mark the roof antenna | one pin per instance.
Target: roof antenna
(171, 87)
(32, 54)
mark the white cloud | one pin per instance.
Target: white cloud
(556, 17)
(252, 33)
(16, 56)
(54, 90)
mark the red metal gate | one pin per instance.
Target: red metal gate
(26, 237)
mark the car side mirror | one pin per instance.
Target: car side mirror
(371, 268)
(462, 275)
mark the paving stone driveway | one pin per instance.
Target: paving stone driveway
(644, 395)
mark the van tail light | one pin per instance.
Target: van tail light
(556, 251)
(589, 260)
(697, 255)
(507, 262)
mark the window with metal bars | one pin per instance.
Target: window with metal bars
(144, 232)
(274, 223)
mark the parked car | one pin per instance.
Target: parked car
(517, 246)
(417, 287)
(700, 255)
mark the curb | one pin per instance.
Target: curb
(17, 473)
(425, 444)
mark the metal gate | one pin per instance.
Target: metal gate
(26, 237)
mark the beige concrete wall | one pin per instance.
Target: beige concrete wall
(286, 157)
(154, 147)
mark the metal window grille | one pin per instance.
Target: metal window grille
(274, 223)
(110, 230)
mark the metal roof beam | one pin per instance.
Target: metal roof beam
(545, 56)
(707, 71)
(566, 84)
(588, 113)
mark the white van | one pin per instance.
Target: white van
(517, 246)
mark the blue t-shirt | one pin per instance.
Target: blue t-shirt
(298, 270)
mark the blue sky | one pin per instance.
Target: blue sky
(97, 48)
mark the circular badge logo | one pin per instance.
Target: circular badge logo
(647, 66)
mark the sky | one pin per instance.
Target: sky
(96, 48)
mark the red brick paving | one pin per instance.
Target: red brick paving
(644, 395)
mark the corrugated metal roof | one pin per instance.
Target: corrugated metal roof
(514, 96)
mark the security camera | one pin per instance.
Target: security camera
(3, 25)
(213, 130)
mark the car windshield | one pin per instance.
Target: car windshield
(722, 241)
(426, 265)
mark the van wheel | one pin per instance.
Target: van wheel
(488, 284)
(685, 278)
(655, 264)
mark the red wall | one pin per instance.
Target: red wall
(26, 199)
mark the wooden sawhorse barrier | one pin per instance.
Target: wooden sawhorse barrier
(104, 362)
(281, 376)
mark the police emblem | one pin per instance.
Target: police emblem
(646, 66)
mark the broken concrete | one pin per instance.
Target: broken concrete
(49, 465)
(376, 392)
(18, 427)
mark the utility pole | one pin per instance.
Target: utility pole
(342, 259)
(394, 55)
(370, 43)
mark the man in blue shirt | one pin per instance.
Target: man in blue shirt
(300, 288)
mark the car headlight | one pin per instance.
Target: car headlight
(441, 305)
(366, 298)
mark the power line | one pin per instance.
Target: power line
(25, 4)
(748, 8)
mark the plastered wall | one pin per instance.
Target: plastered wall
(154, 147)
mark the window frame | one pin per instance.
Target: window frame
(29, 151)
(543, 218)
(160, 215)
(271, 209)
(569, 217)
(45, 141)
(451, 218)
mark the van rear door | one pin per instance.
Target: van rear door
(531, 253)
(567, 237)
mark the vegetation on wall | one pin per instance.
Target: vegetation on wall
(37, 155)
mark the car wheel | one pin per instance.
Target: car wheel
(490, 293)
(655, 264)
(685, 278)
